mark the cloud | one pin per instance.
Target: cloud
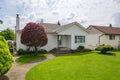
(116, 18)
(87, 12)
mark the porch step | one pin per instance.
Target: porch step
(61, 50)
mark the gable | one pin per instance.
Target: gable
(73, 30)
(93, 30)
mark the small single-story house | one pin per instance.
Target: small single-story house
(71, 36)
(107, 35)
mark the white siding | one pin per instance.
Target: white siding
(52, 42)
(113, 43)
(75, 31)
(93, 41)
(18, 42)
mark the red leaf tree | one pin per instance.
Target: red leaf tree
(34, 35)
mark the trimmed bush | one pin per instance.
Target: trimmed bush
(80, 48)
(5, 57)
(21, 51)
(104, 48)
(42, 51)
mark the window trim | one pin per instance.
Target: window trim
(79, 39)
(111, 37)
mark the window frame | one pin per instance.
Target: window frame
(111, 37)
(79, 39)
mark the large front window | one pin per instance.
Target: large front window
(111, 37)
(79, 39)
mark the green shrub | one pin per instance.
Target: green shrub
(104, 48)
(5, 57)
(21, 51)
(42, 51)
(80, 48)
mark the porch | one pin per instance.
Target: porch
(64, 41)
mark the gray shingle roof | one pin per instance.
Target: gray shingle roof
(50, 28)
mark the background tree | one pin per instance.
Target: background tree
(5, 57)
(1, 22)
(8, 34)
(34, 35)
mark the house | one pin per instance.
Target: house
(107, 35)
(71, 35)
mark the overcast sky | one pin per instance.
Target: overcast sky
(86, 12)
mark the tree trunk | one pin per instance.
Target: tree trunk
(36, 50)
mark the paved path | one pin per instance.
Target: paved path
(18, 72)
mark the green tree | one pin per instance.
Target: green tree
(1, 22)
(8, 34)
(6, 58)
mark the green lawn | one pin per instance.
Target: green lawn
(78, 66)
(28, 58)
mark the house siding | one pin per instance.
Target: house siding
(113, 43)
(18, 41)
(75, 30)
(94, 40)
(52, 42)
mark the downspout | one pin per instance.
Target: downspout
(100, 37)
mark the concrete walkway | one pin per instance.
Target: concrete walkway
(18, 72)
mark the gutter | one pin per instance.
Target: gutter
(100, 37)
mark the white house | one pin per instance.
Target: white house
(71, 36)
(107, 35)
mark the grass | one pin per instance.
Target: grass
(78, 66)
(29, 58)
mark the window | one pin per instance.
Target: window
(79, 39)
(111, 37)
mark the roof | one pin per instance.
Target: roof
(107, 29)
(70, 25)
(50, 27)
(54, 28)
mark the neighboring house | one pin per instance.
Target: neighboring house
(71, 36)
(103, 35)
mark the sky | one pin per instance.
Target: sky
(86, 12)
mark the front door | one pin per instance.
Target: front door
(59, 40)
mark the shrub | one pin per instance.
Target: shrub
(80, 48)
(21, 51)
(42, 51)
(104, 48)
(5, 57)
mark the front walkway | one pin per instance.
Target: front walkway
(18, 72)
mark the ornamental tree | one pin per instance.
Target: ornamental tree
(6, 58)
(34, 35)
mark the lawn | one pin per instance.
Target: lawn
(28, 58)
(78, 66)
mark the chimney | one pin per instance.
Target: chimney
(110, 25)
(17, 22)
(42, 21)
